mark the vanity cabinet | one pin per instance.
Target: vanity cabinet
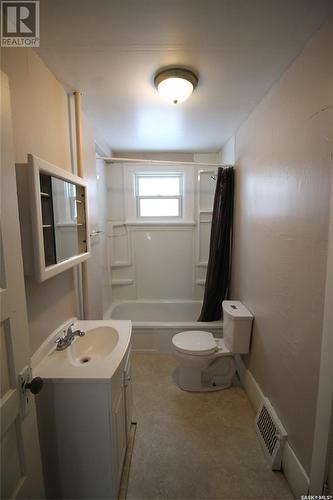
(119, 442)
(128, 390)
(121, 411)
(84, 430)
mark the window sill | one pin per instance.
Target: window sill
(158, 223)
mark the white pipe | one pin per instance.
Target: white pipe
(78, 270)
(72, 132)
(114, 159)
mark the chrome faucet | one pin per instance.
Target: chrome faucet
(66, 340)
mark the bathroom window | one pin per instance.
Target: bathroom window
(159, 195)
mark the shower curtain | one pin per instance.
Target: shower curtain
(219, 262)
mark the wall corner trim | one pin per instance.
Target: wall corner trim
(293, 470)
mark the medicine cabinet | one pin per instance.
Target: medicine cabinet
(53, 218)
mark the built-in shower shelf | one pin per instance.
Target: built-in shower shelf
(122, 282)
(117, 223)
(120, 263)
(200, 282)
(203, 263)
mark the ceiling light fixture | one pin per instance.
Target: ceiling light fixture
(175, 85)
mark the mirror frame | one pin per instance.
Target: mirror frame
(37, 166)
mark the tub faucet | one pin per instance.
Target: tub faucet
(66, 340)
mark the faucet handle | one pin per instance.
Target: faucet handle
(58, 339)
(69, 328)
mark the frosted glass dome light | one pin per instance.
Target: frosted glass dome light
(175, 85)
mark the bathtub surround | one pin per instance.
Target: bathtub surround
(283, 177)
(137, 248)
(95, 270)
(219, 261)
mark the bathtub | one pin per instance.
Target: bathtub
(155, 322)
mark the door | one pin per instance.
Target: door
(21, 470)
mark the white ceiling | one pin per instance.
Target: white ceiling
(110, 50)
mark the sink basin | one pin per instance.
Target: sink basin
(95, 356)
(95, 345)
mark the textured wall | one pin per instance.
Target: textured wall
(281, 227)
(40, 123)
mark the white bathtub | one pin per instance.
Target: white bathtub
(155, 322)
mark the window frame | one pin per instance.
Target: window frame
(179, 197)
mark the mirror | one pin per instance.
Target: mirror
(53, 218)
(63, 217)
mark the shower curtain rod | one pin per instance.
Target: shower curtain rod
(113, 159)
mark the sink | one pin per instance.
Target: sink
(94, 346)
(95, 356)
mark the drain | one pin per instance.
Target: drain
(85, 359)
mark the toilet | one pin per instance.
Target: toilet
(206, 363)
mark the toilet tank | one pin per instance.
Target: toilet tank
(237, 325)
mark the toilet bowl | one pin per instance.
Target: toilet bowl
(206, 363)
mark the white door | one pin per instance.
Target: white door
(21, 470)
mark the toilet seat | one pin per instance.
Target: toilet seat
(195, 342)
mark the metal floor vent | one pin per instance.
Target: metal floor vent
(272, 434)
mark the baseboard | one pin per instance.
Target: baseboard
(295, 474)
(293, 470)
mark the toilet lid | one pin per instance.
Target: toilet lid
(195, 342)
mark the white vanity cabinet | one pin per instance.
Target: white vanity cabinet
(84, 431)
(121, 410)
